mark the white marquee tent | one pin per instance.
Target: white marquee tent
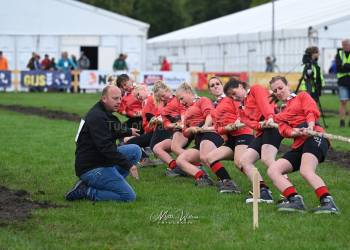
(241, 41)
(53, 26)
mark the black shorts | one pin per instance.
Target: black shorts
(210, 136)
(143, 140)
(160, 135)
(269, 136)
(233, 141)
(318, 146)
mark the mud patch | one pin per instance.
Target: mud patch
(42, 112)
(15, 205)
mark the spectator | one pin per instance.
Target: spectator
(34, 63)
(269, 64)
(120, 63)
(100, 164)
(65, 63)
(53, 64)
(83, 61)
(343, 75)
(333, 68)
(75, 62)
(46, 62)
(165, 65)
(3, 62)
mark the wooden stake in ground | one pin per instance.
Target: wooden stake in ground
(256, 197)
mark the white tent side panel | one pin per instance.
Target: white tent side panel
(237, 53)
(66, 25)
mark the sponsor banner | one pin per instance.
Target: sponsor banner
(5, 79)
(48, 79)
(172, 79)
(96, 79)
(201, 78)
(93, 79)
(263, 78)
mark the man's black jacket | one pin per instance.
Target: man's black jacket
(96, 145)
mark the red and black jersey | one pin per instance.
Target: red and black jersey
(298, 112)
(196, 114)
(256, 107)
(171, 112)
(149, 110)
(129, 105)
(226, 112)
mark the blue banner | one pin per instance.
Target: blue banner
(5, 79)
(48, 79)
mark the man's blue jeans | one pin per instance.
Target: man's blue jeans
(108, 183)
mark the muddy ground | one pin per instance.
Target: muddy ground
(42, 112)
(15, 205)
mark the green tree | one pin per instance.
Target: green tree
(123, 7)
(258, 2)
(204, 10)
(163, 16)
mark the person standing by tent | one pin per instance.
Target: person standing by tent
(120, 63)
(83, 61)
(66, 63)
(3, 62)
(343, 75)
(165, 65)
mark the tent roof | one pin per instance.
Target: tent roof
(289, 15)
(64, 17)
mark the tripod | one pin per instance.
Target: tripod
(311, 84)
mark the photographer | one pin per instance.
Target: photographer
(312, 79)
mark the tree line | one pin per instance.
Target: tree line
(168, 15)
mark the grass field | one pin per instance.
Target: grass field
(38, 154)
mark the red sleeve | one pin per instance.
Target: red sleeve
(250, 123)
(261, 96)
(206, 106)
(284, 129)
(310, 107)
(122, 106)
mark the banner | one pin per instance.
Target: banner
(201, 78)
(263, 78)
(172, 78)
(5, 79)
(93, 79)
(48, 79)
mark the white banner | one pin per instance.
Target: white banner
(96, 79)
(171, 78)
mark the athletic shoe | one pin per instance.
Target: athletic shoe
(204, 181)
(177, 171)
(282, 199)
(294, 204)
(327, 206)
(147, 162)
(265, 196)
(148, 150)
(342, 123)
(228, 186)
(78, 192)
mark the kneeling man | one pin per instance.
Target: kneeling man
(100, 165)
